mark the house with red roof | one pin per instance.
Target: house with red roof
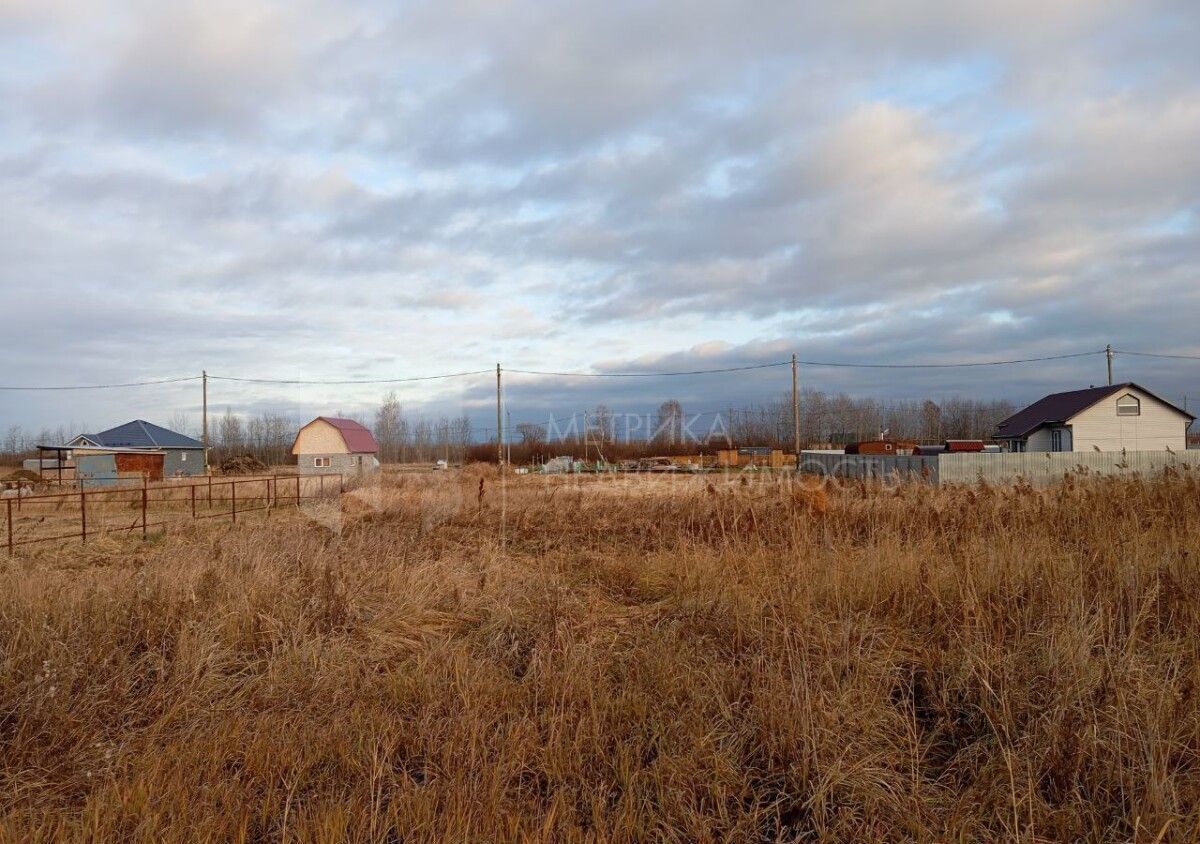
(330, 445)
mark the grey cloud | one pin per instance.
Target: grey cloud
(306, 188)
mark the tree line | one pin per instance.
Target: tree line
(409, 436)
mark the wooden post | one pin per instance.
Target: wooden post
(210, 492)
(10, 541)
(297, 491)
(144, 526)
(83, 514)
(233, 499)
(795, 412)
(499, 425)
(204, 416)
(192, 487)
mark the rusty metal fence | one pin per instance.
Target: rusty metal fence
(87, 513)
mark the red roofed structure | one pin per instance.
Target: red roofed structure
(330, 445)
(357, 438)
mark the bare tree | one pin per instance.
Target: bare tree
(389, 428)
(668, 429)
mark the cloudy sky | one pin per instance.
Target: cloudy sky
(355, 190)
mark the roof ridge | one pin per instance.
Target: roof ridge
(146, 431)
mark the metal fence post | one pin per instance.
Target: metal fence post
(192, 487)
(210, 492)
(83, 513)
(144, 526)
(233, 499)
(297, 491)
(8, 501)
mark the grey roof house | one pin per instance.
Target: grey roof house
(184, 455)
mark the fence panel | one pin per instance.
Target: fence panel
(53, 516)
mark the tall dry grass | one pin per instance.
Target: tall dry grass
(637, 661)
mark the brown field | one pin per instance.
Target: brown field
(614, 659)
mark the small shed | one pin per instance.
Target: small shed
(100, 466)
(329, 445)
(881, 447)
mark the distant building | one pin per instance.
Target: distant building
(182, 455)
(1111, 418)
(330, 446)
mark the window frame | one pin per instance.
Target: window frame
(1123, 409)
(321, 463)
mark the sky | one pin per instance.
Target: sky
(313, 190)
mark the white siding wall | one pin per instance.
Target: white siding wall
(1157, 428)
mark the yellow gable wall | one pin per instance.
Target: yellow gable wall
(319, 437)
(1157, 428)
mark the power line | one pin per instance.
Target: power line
(1155, 355)
(646, 374)
(565, 374)
(368, 381)
(949, 365)
(838, 364)
(107, 386)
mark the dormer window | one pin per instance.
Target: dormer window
(1129, 405)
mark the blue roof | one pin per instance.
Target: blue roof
(142, 434)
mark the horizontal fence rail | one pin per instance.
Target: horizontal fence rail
(88, 513)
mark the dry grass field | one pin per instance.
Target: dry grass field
(615, 659)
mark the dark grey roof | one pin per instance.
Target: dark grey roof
(1058, 408)
(142, 434)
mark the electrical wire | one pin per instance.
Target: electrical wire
(949, 365)
(564, 374)
(839, 364)
(367, 381)
(106, 386)
(646, 374)
(1155, 355)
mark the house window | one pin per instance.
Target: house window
(1056, 440)
(321, 462)
(1018, 445)
(183, 457)
(1129, 405)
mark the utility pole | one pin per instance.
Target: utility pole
(795, 412)
(204, 415)
(1108, 352)
(499, 424)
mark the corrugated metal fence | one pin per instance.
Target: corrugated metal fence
(1034, 467)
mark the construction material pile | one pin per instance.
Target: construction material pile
(243, 464)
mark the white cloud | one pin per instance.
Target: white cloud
(300, 187)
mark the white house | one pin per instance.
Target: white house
(1112, 418)
(328, 445)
